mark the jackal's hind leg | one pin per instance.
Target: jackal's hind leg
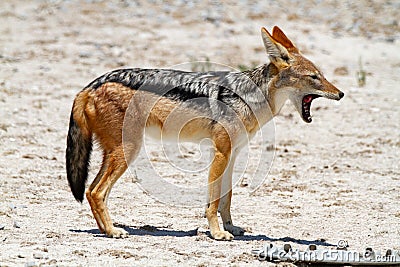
(114, 166)
(90, 189)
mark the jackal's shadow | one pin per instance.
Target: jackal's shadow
(165, 231)
(144, 230)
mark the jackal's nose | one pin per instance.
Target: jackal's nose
(341, 95)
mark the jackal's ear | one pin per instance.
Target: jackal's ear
(277, 53)
(280, 37)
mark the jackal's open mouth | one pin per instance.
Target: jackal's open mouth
(306, 107)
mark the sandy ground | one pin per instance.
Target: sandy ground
(335, 179)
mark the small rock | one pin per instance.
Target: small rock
(37, 256)
(2, 227)
(52, 262)
(244, 184)
(16, 224)
(31, 264)
(390, 39)
(84, 54)
(341, 71)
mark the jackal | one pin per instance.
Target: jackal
(226, 107)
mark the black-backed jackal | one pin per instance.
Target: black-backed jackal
(232, 107)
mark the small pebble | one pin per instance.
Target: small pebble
(31, 264)
(2, 227)
(16, 225)
(37, 256)
(84, 54)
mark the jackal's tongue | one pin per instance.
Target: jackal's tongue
(307, 99)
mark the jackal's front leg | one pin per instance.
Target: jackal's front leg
(225, 202)
(220, 161)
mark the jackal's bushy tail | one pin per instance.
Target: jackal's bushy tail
(79, 148)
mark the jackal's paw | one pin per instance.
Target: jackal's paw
(222, 235)
(117, 233)
(234, 230)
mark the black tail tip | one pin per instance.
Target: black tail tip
(78, 195)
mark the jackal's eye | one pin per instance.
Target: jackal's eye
(314, 76)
